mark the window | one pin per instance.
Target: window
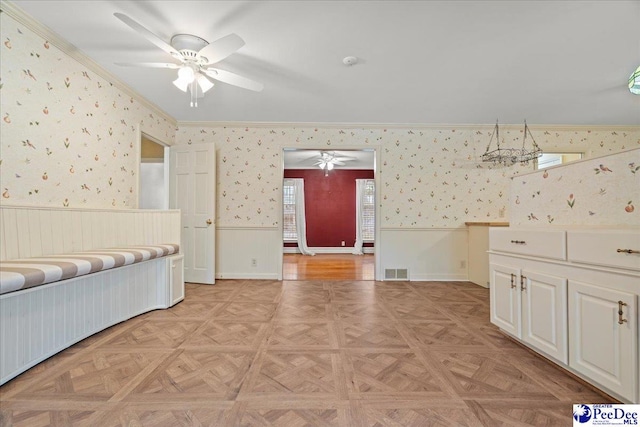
(553, 159)
(369, 211)
(289, 211)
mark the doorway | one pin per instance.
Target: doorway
(154, 174)
(337, 239)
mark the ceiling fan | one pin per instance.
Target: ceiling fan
(327, 161)
(196, 57)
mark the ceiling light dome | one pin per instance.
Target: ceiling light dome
(186, 74)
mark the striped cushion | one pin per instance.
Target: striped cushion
(25, 273)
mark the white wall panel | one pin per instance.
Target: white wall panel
(24, 238)
(31, 231)
(35, 235)
(46, 231)
(3, 244)
(429, 254)
(236, 247)
(10, 232)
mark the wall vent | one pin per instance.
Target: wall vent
(396, 274)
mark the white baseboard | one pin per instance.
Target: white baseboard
(324, 250)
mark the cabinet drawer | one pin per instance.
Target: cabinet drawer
(539, 243)
(601, 247)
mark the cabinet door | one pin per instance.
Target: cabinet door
(544, 313)
(176, 279)
(600, 347)
(505, 298)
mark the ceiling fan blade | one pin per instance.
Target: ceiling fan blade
(233, 79)
(221, 48)
(149, 64)
(336, 162)
(148, 35)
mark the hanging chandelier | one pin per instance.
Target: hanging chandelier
(511, 156)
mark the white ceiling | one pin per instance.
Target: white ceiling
(447, 62)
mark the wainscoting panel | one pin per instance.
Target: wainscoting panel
(237, 247)
(33, 231)
(428, 253)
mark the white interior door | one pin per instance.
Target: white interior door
(192, 190)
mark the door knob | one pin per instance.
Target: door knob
(209, 222)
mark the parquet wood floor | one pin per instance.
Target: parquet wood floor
(305, 353)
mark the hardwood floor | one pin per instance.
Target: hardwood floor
(312, 353)
(328, 267)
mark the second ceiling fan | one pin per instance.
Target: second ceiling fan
(196, 57)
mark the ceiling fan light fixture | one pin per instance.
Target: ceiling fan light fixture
(186, 74)
(204, 83)
(181, 84)
(196, 56)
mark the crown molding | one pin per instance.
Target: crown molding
(413, 126)
(70, 50)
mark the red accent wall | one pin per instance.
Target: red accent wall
(330, 204)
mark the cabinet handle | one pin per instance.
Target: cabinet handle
(621, 321)
(628, 251)
(513, 281)
(518, 242)
(523, 285)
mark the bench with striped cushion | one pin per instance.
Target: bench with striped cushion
(26, 273)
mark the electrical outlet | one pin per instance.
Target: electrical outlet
(501, 213)
(463, 264)
(254, 262)
(343, 243)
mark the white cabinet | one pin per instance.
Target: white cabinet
(604, 335)
(607, 248)
(532, 307)
(175, 267)
(544, 313)
(562, 295)
(532, 242)
(505, 298)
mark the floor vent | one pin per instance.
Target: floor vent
(396, 274)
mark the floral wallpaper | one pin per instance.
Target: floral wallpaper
(430, 177)
(599, 191)
(67, 135)
(67, 138)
